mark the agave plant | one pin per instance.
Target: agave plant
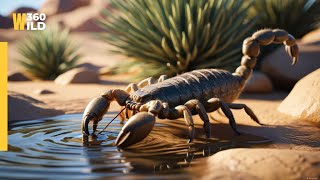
(296, 16)
(47, 54)
(175, 36)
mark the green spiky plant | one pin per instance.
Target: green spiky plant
(175, 36)
(47, 54)
(295, 16)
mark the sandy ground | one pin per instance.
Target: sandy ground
(92, 49)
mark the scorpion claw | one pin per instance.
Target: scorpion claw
(293, 51)
(136, 129)
(85, 124)
(94, 112)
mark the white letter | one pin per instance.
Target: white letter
(43, 26)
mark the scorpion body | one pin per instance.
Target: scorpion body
(198, 84)
(195, 92)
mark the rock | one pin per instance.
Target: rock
(81, 19)
(284, 76)
(43, 91)
(312, 37)
(23, 107)
(52, 7)
(17, 76)
(5, 22)
(260, 164)
(78, 75)
(89, 66)
(258, 83)
(303, 102)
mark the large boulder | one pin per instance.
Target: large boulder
(258, 83)
(53, 7)
(303, 102)
(78, 75)
(260, 164)
(23, 107)
(278, 65)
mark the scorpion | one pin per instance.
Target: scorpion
(196, 92)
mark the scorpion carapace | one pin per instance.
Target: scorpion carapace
(195, 92)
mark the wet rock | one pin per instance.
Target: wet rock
(278, 65)
(52, 7)
(78, 75)
(17, 76)
(303, 102)
(23, 107)
(258, 83)
(262, 164)
(312, 37)
(43, 91)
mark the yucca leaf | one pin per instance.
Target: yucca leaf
(177, 35)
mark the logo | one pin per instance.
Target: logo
(28, 21)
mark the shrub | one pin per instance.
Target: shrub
(172, 37)
(298, 17)
(47, 54)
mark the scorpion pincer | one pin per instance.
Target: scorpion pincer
(196, 92)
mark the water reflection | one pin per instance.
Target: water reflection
(56, 147)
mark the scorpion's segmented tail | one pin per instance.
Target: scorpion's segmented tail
(251, 49)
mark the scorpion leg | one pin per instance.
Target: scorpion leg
(184, 112)
(99, 106)
(202, 113)
(151, 80)
(162, 78)
(134, 87)
(146, 82)
(247, 110)
(216, 102)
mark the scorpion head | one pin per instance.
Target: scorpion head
(141, 97)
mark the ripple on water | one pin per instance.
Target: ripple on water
(55, 146)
